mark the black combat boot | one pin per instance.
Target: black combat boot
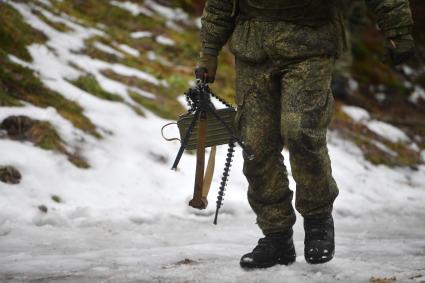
(275, 248)
(319, 242)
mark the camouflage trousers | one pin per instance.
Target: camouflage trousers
(286, 103)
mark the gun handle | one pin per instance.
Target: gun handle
(198, 201)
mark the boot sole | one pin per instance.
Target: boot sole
(281, 261)
(319, 260)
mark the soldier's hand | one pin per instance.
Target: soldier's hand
(206, 68)
(400, 50)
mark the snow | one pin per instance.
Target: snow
(198, 23)
(65, 129)
(172, 16)
(143, 93)
(141, 34)
(408, 71)
(126, 71)
(385, 130)
(129, 50)
(126, 218)
(357, 114)
(384, 148)
(388, 131)
(353, 84)
(165, 40)
(18, 61)
(417, 94)
(116, 228)
(133, 8)
(45, 2)
(54, 66)
(167, 12)
(380, 96)
(152, 56)
(108, 49)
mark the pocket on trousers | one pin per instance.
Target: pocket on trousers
(319, 116)
(246, 42)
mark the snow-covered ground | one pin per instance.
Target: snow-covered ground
(126, 218)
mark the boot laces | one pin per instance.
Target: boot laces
(267, 243)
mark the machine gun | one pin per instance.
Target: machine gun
(205, 126)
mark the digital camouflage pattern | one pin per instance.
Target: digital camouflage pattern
(283, 93)
(286, 104)
(220, 19)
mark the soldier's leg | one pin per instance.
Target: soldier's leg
(258, 122)
(307, 107)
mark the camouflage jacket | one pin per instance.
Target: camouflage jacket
(221, 17)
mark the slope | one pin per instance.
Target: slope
(113, 73)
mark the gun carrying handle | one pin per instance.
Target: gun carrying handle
(164, 137)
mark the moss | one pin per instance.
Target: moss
(340, 115)
(56, 25)
(376, 155)
(44, 135)
(78, 161)
(10, 175)
(18, 83)
(7, 100)
(120, 24)
(177, 86)
(96, 53)
(167, 109)
(93, 12)
(367, 141)
(406, 155)
(89, 84)
(139, 111)
(43, 208)
(56, 198)
(165, 103)
(15, 34)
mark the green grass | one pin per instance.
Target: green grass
(45, 136)
(42, 134)
(56, 25)
(167, 109)
(366, 140)
(165, 103)
(89, 84)
(15, 34)
(182, 57)
(18, 84)
(92, 12)
(8, 100)
(56, 198)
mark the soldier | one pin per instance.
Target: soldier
(285, 52)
